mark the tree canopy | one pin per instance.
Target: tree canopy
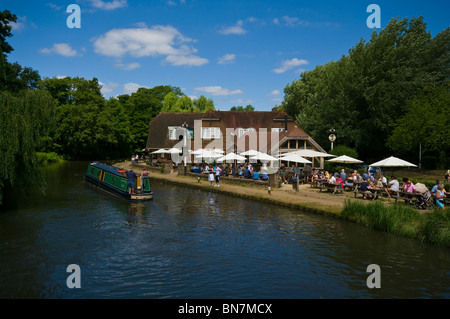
(363, 93)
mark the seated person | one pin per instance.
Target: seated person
(340, 181)
(365, 186)
(434, 189)
(393, 186)
(265, 177)
(350, 182)
(255, 175)
(409, 187)
(332, 179)
(283, 174)
(247, 173)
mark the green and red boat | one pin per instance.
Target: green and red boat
(114, 180)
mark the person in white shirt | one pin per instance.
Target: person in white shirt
(218, 170)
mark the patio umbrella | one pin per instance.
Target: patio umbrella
(392, 162)
(294, 158)
(264, 157)
(174, 150)
(207, 151)
(345, 159)
(160, 151)
(231, 157)
(251, 153)
(311, 153)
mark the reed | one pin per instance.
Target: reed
(433, 228)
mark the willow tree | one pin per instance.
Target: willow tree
(24, 119)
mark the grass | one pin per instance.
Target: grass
(432, 228)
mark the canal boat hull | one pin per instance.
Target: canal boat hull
(112, 180)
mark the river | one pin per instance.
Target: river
(189, 243)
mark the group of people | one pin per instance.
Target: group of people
(246, 170)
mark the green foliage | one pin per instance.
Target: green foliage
(23, 120)
(47, 158)
(344, 150)
(203, 104)
(426, 121)
(363, 92)
(248, 108)
(401, 220)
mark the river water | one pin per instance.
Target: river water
(190, 243)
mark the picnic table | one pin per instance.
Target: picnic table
(371, 192)
(408, 197)
(331, 187)
(318, 182)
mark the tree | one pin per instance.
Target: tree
(23, 120)
(203, 104)
(184, 104)
(426, 122)
(363, 92)
(169, 102)
(248, 108)
(13, 77)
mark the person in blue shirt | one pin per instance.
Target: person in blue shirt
(131, 181)
(255, 175)
(247, 173)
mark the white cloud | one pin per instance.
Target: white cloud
(191, 60)
(275, 92)
(129, 66)
(242, 102)
(19, 25)
(108, 5)
(174, 3)
(149, 42)
(54, 6)
(61, 76)
(108, 88)
(289, 64)
(130, 88)
(218, 90)
(294, 22)
(63, 49)
(235, 29)
(227, 58)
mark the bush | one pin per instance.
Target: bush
(47, 158)
(401, 220)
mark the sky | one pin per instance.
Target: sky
(234, 52)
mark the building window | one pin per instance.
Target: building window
(210, 132)
(172, 133)
(243, 131)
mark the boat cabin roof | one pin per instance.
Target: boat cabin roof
(108, 168)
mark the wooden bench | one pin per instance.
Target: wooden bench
(332, 187)
(374, 193)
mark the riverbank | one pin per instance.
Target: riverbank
(431, 227)
(307, 198)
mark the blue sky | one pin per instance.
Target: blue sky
(235, 52)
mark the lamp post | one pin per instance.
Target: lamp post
(332, 136)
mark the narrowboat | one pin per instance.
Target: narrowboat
(114, 180)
